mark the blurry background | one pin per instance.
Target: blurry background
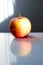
(33, 9)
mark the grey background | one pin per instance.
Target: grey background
(33, 9)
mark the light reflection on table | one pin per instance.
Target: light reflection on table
(25, 51)
(21, 47)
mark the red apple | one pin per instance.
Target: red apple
(20, 26)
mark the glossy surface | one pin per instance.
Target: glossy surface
(25, 51)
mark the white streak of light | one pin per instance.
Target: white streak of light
(10, 8)
(6, 9)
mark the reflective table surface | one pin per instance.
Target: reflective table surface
(24, 51)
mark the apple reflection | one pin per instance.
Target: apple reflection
(21, 47)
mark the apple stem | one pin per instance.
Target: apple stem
(19, 14)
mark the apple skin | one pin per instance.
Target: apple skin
(20, 26)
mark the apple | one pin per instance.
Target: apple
(20, 26)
